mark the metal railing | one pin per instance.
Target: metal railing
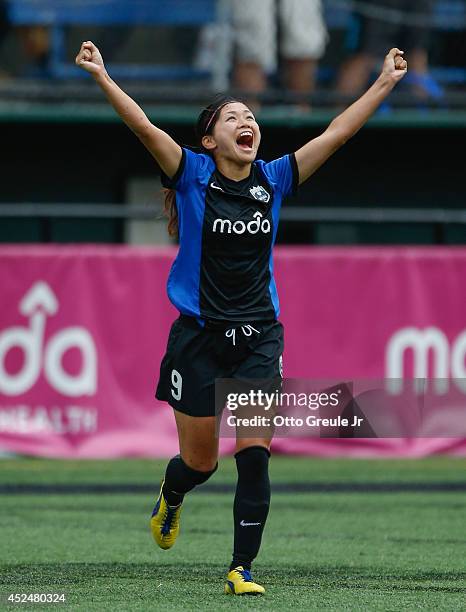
(299, 214)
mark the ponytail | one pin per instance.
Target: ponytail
(171, 212)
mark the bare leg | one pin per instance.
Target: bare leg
(250, 77)
(198, 441)
(242, 443)
(301, 75)
(418, 65)
(418, 61)
(354, 74)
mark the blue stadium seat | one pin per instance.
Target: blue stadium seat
(58, 14)
(113, 12)
(447, 14)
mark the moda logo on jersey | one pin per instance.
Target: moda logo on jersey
(240, 227)
(259, 193)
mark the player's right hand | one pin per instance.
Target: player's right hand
(90, 59)
(395, 66)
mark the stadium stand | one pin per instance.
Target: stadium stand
(67, 113)
(448, 15)
(62, 14)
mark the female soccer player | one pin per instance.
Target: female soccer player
(224, 206)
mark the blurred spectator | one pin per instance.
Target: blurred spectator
(4, 26)
(374, 36)
(34, 44)
(35, 41)
(303, 37)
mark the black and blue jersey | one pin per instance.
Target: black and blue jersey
(224, 267)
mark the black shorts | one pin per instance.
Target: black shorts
(377, 36)
(196, 356)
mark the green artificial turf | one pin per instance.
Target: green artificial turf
(343, 550)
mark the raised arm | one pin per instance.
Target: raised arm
(313, 154)
(163, 148)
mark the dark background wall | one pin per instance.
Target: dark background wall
(92, 162)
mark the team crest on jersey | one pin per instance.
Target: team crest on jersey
(259, 193)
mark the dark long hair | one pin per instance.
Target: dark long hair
(205, 124)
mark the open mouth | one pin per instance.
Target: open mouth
(245, 140)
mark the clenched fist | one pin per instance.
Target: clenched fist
(395, 66)
(90, 59)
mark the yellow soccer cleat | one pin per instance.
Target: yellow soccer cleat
(240, 582)
(165, 522)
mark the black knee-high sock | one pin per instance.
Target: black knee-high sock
(180, 479)
(251, 505)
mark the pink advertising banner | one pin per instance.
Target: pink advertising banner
(83, 330)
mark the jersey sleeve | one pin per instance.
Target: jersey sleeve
(283, 174)
(194, 168)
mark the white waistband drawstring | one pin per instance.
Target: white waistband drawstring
(247, 331)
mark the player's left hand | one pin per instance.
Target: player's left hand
(395, 66)
(90, 59)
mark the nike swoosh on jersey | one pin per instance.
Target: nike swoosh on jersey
(214, 186)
